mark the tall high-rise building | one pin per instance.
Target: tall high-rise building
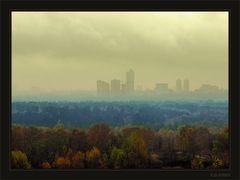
(130, 81)
(124, 88)
(186, 85)
(115, 87)
(102, 88)
(178, 85)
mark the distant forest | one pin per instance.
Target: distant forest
(120, 135)
(151, 114)
(188, 147)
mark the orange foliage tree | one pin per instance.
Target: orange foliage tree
(78, 160)
(61, 162)
(46, 165)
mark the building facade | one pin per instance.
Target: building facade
(130, 81)
(103, 88)
(186, 87)
(115, 87)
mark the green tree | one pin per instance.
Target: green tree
(135, 151)
(117, 158)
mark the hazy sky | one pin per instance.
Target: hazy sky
(71, 50)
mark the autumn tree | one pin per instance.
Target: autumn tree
(60, 138)
(99, 136)
(93, 158)
(104, 161)
(42, 149)
(18, 138)
(187, 140)
(23, 137)
(203, 140)
(201, 162)
(78, 140)
(136, 151)
(168, 146)
(117, 158)
(116, 140)
(51, 142)
(46, 165)
(150, 138)
(61, 163)
(155, 160)
(19, 160)
(78, 160)
(127, 131)
(221, 149)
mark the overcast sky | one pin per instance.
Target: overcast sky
(72, 50)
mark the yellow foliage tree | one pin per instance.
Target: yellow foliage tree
(19, 160)
(93, 157)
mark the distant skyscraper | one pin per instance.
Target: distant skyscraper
(186, 85)
(179, 85)
(102, 88)
(162, 87)
(130, 81)
(115, 87)
(124, 88)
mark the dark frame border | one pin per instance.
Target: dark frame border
(232, 6)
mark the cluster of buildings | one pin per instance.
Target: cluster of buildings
(116, 87)
(180, 87)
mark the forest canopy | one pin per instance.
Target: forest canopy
(101, 146)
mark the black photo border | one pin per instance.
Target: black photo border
(6, 7)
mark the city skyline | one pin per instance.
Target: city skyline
(117, 87)
(63, 51)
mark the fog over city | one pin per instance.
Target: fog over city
(66, 52)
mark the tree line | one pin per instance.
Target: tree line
(154, 115)
(100, 146)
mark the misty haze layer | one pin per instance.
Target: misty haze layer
(68, 52)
